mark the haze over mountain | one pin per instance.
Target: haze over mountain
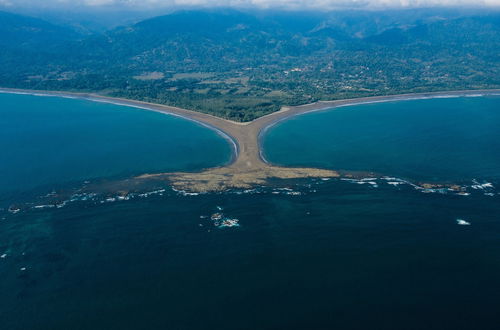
(288, 4)
(97, 15)
(243, 64)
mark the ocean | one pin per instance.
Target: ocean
(364, 253)
(49, 142)
(441, 139)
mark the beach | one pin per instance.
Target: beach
(118, 247)
(248, 166)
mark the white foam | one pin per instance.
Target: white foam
(44, 206)
(228, 223)
(462, 222)
(61, 205)
(395, 183)
(14, 210)
(476, 185)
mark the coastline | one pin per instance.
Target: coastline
(330, 105)
(168, 110)
(248, 165)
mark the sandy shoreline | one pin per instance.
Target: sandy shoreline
(329, 105)
(173, 111)
(248, 166)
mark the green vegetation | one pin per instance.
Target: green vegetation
(241, 66)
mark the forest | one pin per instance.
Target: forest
(242, 65)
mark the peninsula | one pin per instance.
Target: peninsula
(248, 167)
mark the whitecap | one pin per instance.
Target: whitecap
(349, 180)
(14, 210)
(395, 183)
(228, 223)
(43, 206)
(185, 193)
(62, 204)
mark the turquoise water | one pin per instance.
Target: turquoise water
(308, 254)
(450, 139)
(48, 141)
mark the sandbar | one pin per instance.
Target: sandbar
(248, 166)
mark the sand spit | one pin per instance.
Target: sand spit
(223, 178)
(248, 168)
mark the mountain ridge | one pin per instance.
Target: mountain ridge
(242, 65)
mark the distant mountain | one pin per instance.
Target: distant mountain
(23, 31)
(204, 38)
(241, 65)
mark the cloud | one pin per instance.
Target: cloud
(292, 4)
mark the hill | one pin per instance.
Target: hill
(242, 65)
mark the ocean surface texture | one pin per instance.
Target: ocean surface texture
(47, 142)
(366, 253)
(441, 139)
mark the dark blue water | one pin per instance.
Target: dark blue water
(318, 255)
(346, 256)
(46, 142)
(451, 139)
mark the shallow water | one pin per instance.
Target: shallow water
(47, 142)
(442, 139)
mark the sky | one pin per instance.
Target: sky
(287, 4)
